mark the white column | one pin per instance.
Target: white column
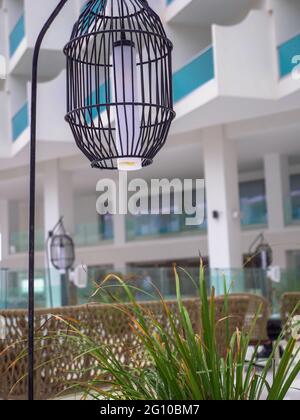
(222, 196)
(278, 190)
(4, 228)
(58, 202)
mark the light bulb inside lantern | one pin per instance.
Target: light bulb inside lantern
(127, 113)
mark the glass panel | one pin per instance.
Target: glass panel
(19, 241)
(253, 203)
(144, 281)
(295, 197)
(89, 234)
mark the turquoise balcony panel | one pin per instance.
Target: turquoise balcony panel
(89, 17)
(20, 122)
(194, 75)
(286, 53)
(16, 36)
(98, 97)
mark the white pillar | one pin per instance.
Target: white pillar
(223, 208)
(58, 202)
(278, 190)
(4, 228)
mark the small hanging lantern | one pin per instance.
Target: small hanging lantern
(264, 256)
(119, 84)
(261, 253)
(62, 250)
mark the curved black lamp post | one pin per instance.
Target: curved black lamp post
(119, 98)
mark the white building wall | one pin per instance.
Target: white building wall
(286, 15)
(249, 45)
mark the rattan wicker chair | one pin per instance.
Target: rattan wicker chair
(258, 307)
(56, 361)
(290, 305)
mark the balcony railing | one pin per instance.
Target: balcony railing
(145, 282)
(17, 35)
(19, 241)
(254, 212)
(92, 234)
(292, 210)
(151, 226)
(193, 75)
(20, 122)
(97, 98)
(286, 55)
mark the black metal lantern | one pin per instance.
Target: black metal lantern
(261, 253)
(62, 250)
(119, 84)
(264, 256)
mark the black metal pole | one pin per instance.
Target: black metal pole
(31, 261)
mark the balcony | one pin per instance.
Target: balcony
(24, 34)
(14, 287)
(292, 206)
(212, 90)
(93, 234)
(18, 243)
(206, 12)
(20, 122)
(288, 62)
(154, 226)
(287, 56)
(48, 132)
(194, 74)
(16, 36)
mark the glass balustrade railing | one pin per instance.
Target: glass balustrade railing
(292, 209)
(17, 35)
(20, 122)
(151, 226)
(253, 212)
(288, 55)
(253, 215)
(144, 283)
(19, 241)
(90, 234)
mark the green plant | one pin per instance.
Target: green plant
(181, 363)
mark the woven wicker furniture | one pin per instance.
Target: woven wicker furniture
(258, 307)
(289, 302)
(57, 365)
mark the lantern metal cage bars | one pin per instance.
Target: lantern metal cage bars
(119, 84)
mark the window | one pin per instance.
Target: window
(253, 203)
(295, 196)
